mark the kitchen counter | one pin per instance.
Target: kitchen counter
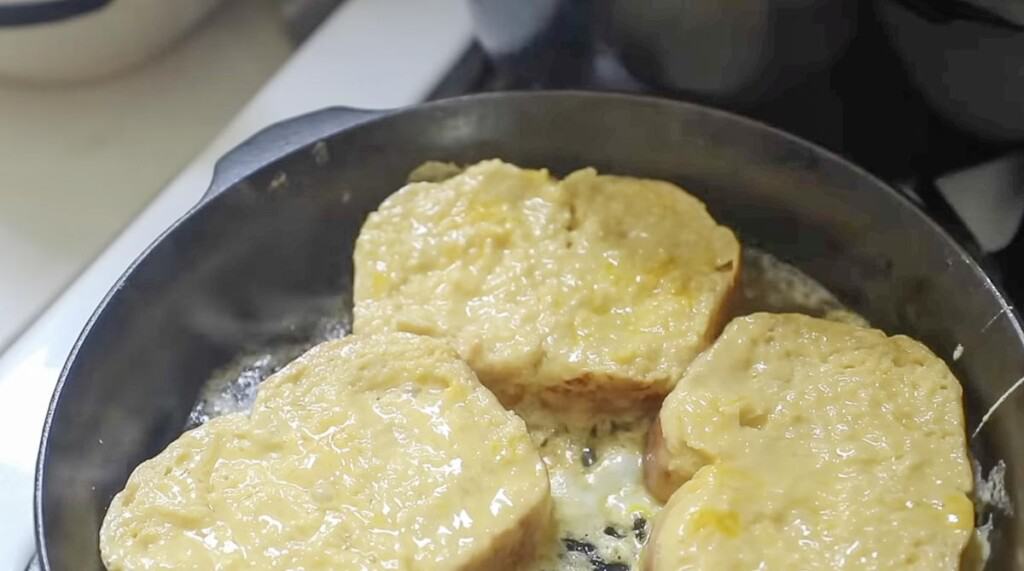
(79, 161)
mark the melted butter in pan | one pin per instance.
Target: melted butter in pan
(602, 509)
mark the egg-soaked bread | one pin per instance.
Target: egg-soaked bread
(370, 452)
(802, 443)
(594, 289)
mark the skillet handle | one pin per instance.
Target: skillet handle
(34, 12)
(280, 139)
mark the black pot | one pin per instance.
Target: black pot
(254, 263)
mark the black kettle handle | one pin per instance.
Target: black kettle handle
(280, 139)
(953, 10)
(28, 12)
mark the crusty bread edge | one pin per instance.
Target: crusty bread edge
(659, 478)
(520, 544)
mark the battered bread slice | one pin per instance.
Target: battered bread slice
(810, 444)
(594, 289)
(740, 519)
(371, 452)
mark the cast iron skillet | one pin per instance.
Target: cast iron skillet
(268, 250)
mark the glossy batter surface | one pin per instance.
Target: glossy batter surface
(813, 445)
(370, 452)
(593, 288)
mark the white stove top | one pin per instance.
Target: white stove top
(369, 53)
